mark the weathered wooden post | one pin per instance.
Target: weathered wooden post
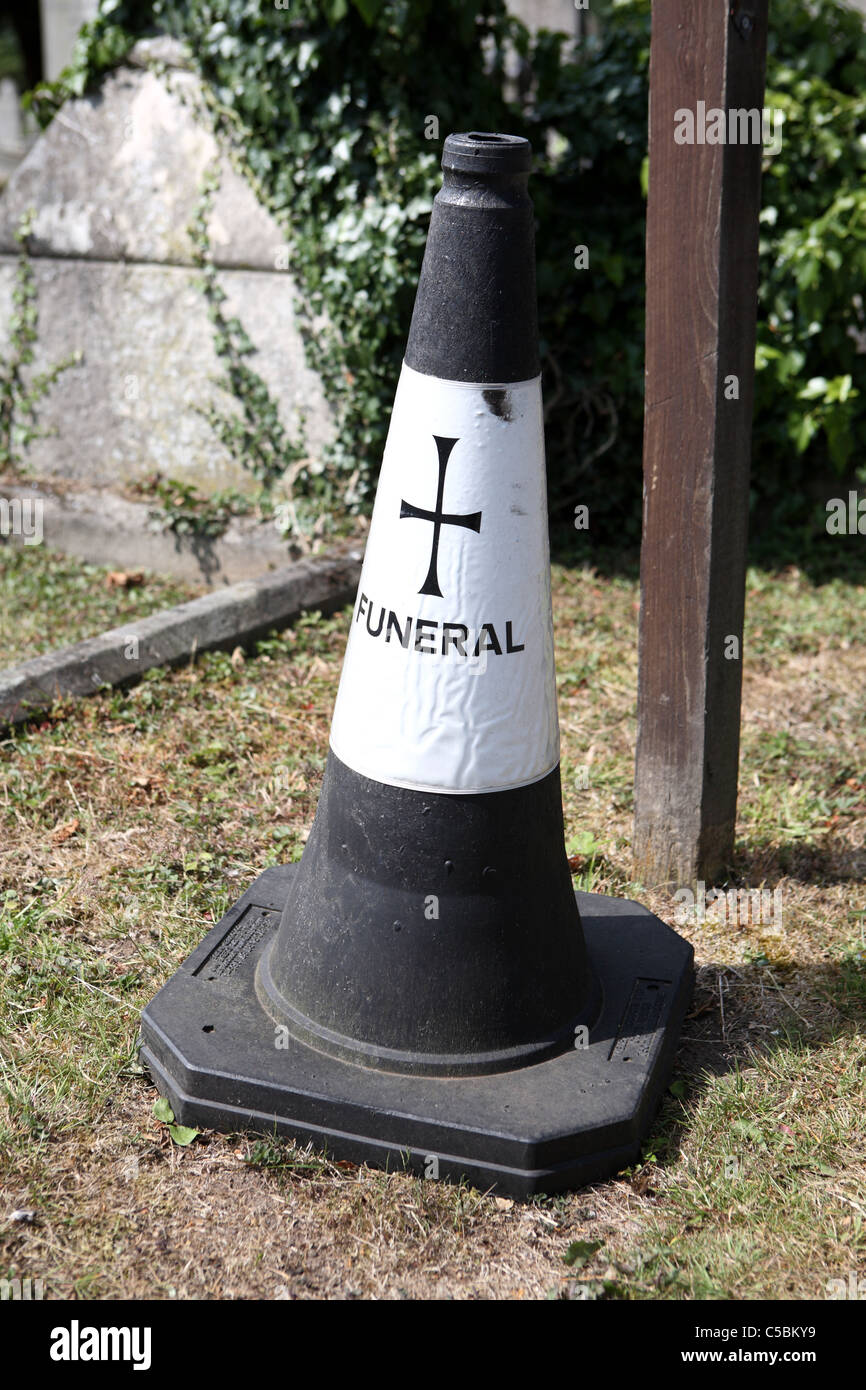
(706, 130)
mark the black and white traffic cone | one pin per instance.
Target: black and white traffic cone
(421, 990)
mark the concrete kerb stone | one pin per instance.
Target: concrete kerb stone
(228, 618)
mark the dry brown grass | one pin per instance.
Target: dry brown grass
(131, 821)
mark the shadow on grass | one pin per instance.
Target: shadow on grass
(820, 557)
(760, 1006)
(742, 1013)
(804, 861)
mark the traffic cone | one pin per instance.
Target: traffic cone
(424, 988)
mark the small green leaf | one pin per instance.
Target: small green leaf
(368, 10)
(580, 1252)
(644, 175)
(181, 1135)
(747, 1129)
(678, 1088)
(584, 842)
(163, 1111)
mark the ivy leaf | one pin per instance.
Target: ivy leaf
(335, 10)
(163, 1111)
(368, 9)
(580, 1252)
(181, 1135)
(644, 176)
(804, 432)
(814, 389)
(747, 1129)
(76, 81)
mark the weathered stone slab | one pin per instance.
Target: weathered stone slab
(113, 530)
(111, 189)
(222, 620)
(133, 404)
(117, 176)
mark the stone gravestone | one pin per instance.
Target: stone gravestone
(113, 185)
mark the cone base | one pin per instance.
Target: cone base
(576, 1118)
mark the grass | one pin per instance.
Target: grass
(131, 820)
(52, 600)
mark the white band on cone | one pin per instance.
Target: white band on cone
(454, 691)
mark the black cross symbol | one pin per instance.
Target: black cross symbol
(472, 521)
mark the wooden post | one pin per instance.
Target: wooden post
(701, 275)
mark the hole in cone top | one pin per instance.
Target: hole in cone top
(483, 151)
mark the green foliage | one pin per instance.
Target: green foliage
(580, 1252)
(248, 426)
(181, 1134)
(589, 129)
(811, 379)
(20, 398)
(253, 432)
(186, 512)
(324, 107)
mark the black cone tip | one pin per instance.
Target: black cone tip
(475, 315)
(483, 152)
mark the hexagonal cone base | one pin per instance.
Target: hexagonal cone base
(223, 1064)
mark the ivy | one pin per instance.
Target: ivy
(254, 435)
(325, 107)
(20, 398)
(186, 512)
(333, 144)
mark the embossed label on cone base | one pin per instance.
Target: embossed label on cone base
(448, 683)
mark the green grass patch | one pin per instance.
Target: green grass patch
(131, 820)
(52, 600)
